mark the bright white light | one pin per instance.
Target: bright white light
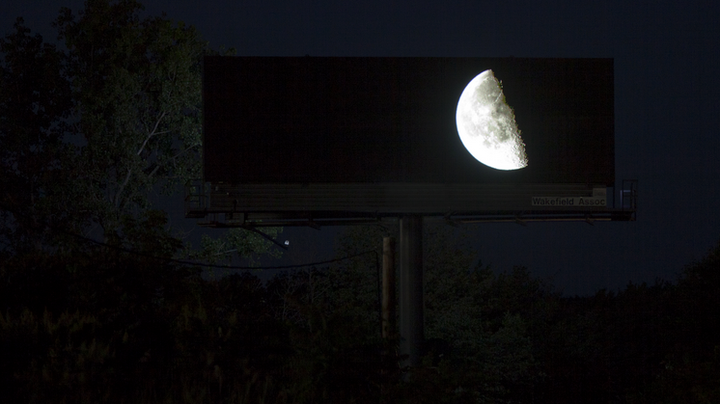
(486, 125)
(287, 242)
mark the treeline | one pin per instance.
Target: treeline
(102, 325)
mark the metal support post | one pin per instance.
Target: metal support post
(388, 288)
(411, 289)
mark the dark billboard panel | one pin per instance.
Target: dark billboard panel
(338, 120)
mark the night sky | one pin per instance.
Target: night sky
(667, 91)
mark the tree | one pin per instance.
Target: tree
(90, 128)
(34, 102)
(136, 106)
(478, 324)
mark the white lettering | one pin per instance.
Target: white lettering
(583, 201)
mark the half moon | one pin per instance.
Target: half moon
(486, 125)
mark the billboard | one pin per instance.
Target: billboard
(366, 127)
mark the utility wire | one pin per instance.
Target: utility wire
(192, 263)
(206, 265)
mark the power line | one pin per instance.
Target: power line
(206, 265)
(187, 262)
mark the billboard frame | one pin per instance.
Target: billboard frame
(251, 181)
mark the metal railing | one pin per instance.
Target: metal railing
(197, 199)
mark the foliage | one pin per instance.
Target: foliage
(90, 128)
(136, 104)
(56, 357)
(474, 354)
(34, 100)
(102, 121)
(332, 314)
(105, 325)
(128, 330)
(235, 242)
(689, 371)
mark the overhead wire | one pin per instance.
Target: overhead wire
(194, 263)
(206, 265)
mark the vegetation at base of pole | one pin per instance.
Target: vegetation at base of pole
(101, 326)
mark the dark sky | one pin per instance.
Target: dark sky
(667, 92)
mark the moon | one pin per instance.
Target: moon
(486, 124)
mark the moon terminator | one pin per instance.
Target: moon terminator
(486, 124)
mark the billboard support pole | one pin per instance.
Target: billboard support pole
(388, 288)
(411, 289)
